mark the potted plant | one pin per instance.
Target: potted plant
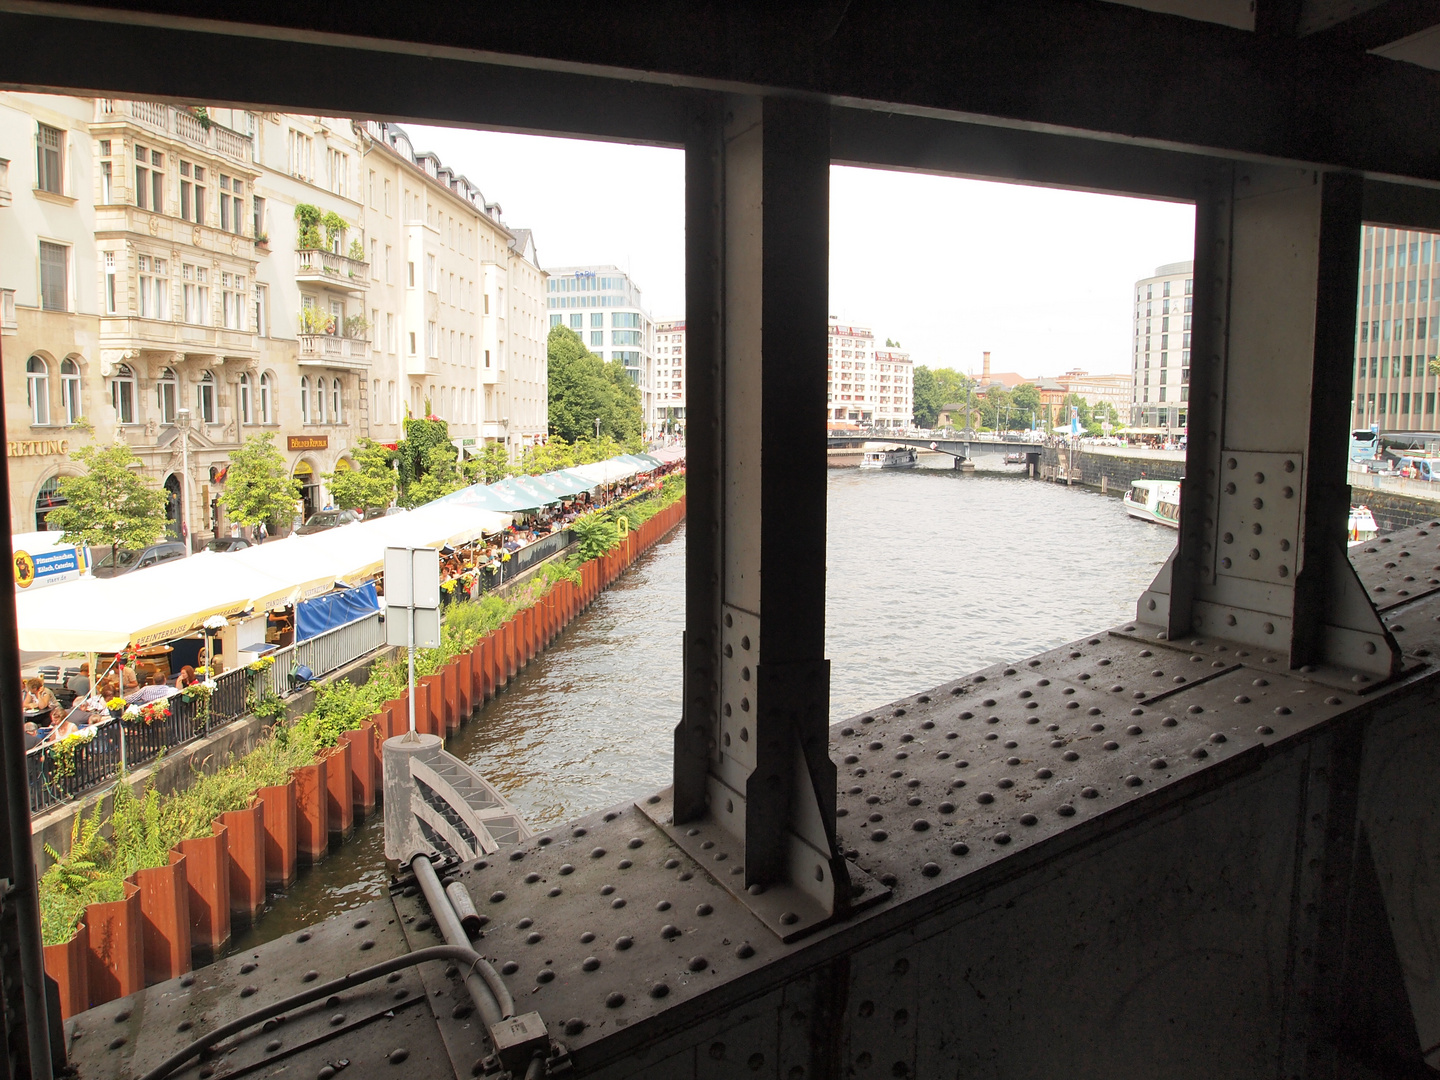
(308, 217)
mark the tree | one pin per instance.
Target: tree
(583, 388)
(926, 397)
(492, 465)
(549, 456)
(258, 486)
(411, 452)
(369, 483)
(1026, 399)
(441, 475)
(111, 504)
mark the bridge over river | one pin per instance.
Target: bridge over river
(990, 451)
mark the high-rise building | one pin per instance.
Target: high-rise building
(604, 306)
(1399, 331)
(1160, 363)
(866, 387)
(670, 376)
(249, 273)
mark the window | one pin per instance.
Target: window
(305, 399)
(246, 404)
(410, 279)
(387, 198)
(267, 398)
(317, 402)
(70, 390)
(430, 283)
(487, 358)
(54, 277)
(432, 341)
(337, 167)
(597, 319)
(556, 320)
(597, 338)
(149, 179)
(167, 391)
(205, 398)
(375, 259)
(258, 217)
(261, 323)
(576, 321)
(154, 281)
(629, 319)
(196, 293)
(302, 155)
(232, 300)
(390, 338)
(390, 386)
(487, 311)
(626, 337)
(106, 175)
(412, 342)
(225, 203)
(387, 264)
(37, 390)
(122, 394)
(50, 159)
(109, 283)
(336, 413)
(372, 189)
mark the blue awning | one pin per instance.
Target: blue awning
(314, 617)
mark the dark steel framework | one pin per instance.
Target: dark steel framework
(1278, 139)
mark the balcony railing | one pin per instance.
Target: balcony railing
(328, 268)
(179, 123)
(333, 351)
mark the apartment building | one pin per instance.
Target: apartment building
(1399, 331)
(182, 279)
(605, 307)
(848, 390)
(670, 376)
(892, 379)
(1160, 357)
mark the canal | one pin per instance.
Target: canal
(931, 573)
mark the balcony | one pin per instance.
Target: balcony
(176, 123)
(327, 350)
(422, 365)
(165, 335)
(320, 267)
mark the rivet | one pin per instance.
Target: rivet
(1264, 729)
(272, 1046)
(510, 967)
(398, 1055)
(1043, 774)
(879, 835)
(117, 1042)
(614, 1000)
(959, 849)
(985, 798)
(1133, 781)
(1159, 763)
(1089, 793)
(669, 930)
(597, 853)
(247, 991)
(920, 825)
(698, 963)
(590, 963)
(1218, 737)
(1065, 810)
(1028, 819)
(496, 897)
(337, 1019)
(1070, 755)
(1112, 745)
(574, 1026)
(1199, 752)
(659, 990)
(1002, 838)
(703, 910)
(745, 950)
(930, 869)
(310, 976)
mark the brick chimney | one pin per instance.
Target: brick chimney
(985, 371)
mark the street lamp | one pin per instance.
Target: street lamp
(182, 422)
(597, 429)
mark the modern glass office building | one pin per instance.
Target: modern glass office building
(604, 306)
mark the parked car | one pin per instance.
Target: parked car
(373, 512)
(228, 543)
(124, 561)
(327, 519)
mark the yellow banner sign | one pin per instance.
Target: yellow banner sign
(307, 442)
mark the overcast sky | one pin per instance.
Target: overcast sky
(949, 268)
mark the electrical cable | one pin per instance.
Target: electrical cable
(460, 954)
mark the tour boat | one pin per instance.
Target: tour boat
(1362, 525)
(895, 457)
(1159, 501)
(1154, 500)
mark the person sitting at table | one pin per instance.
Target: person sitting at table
(128, 681)
(32, 736)
(110, 686)
(38, 697)
(187, 677)
(79, 683)
(64, 727)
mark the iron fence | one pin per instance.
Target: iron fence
(527, 558)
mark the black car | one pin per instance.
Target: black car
(227, 543)
(125, 561)
(373, 512)
(326, 519)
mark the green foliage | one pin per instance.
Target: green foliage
(370, 482)
(551, 456)
(1026, 399)
(598, 534)
(441, 476)
(357, 250)
(492, 465)
(937, 388)
(356, 326)
(308, 218)
(259, 486)
(582, 388)
(111, 504)
(334, 226)
(421, 435)
(315, 321)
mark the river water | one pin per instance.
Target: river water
(931, 574)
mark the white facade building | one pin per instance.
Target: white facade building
(1160, 359)
(670, 376)
(868, 387)
(603, 306)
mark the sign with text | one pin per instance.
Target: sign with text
(412, 584)
(307, 442)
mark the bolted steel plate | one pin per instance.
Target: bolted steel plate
(1401, 567)
(384, 1023)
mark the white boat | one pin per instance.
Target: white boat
(1362, 525)
(1159, 501)
(894, 457)
(1154, 500)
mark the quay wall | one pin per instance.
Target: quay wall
(1396, 503)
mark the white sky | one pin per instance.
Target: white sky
(947, 267)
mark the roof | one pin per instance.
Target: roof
(522, 242)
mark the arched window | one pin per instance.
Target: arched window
(167, 395)
(122, 394)
(205, 398)
(337, 414)
(47, 499)
(317, 400)
(245, 402)
(305, 399)
(267, 396)
(70, 390)
(37, 390)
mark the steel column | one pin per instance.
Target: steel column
(751, 751)
(1261, 557)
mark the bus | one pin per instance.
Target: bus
(1364, 445)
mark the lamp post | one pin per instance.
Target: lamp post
(182, 422)
(597, 429)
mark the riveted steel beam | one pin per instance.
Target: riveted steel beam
(754, 785)
(1261, 555)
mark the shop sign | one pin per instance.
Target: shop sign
(36, 447)
(307, 442)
